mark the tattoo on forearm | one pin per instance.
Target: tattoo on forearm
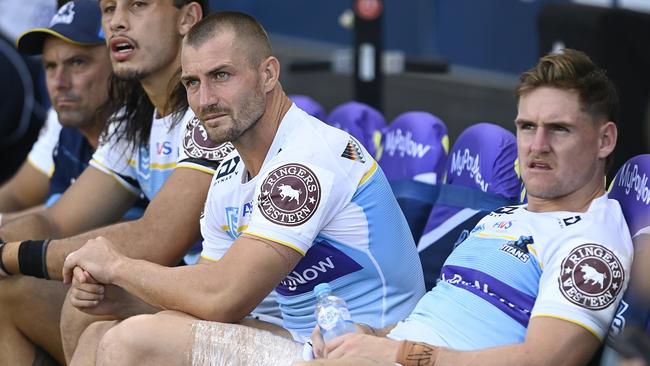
(416, 354)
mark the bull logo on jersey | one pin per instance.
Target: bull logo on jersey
(591, 276)
(196, 143)
(289, 195)
(288, 191)
(589, 273)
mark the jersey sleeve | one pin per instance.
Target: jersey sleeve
(196, 150)
(583, 281)
(114, 156)
(40, 156)
(215, 240)
(295, 200)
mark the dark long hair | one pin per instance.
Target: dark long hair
(129, 108)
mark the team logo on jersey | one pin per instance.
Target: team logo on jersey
(196, 143)
(591, 276)
(289, 195)
(518, 248)
(353, 151)
(144, 162)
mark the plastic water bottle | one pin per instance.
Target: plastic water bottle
(332, 314)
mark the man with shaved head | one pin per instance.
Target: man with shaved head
(297, 203)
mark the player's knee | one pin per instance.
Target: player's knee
(127, 341)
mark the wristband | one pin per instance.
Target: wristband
(416, 354)
(30, 258)
(3, 269)
(46, 243)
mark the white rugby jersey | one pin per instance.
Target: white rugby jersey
(146, 168)
(320, 193)
(40, 156)
(517, 264)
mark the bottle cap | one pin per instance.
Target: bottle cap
(322, 287)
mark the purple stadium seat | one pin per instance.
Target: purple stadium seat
(480, 177)
(415, 147)
(362, 121)
(631, 188)
(309, 105)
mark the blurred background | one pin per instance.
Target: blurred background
(471, 52)
(457, 59)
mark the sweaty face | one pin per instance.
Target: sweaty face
(223, 89)
(77, 80)
(142, 36)
(558, 144)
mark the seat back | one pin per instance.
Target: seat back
(631, 188)
(480, 176)
(360, 120)
(414, 151)
(415, 146)
(309, 105)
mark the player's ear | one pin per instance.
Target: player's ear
(270, 69)
(190, 14)
(607, 136)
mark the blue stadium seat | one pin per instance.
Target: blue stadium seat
(360, 120)
(480, 176)
(413, 155)
(309, 105)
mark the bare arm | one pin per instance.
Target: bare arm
(224, 291)
(168, 228)
(95, 199)
(27, 188)
(11, 216)
(549, 341)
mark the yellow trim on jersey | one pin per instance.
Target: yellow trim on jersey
(35, 166)
(119, 180)
(155, 165)
(240, 229)
(532, 250)
(198, 167)
(368, 174)
(208, 258)
(278, 241)
(571, 321)
(492, 236)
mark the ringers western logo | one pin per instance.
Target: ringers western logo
(591, 277)
(289, 195)
(196, 143)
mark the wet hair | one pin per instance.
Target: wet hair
(130, 108)
(249, 33)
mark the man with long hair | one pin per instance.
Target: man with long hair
(154, 146)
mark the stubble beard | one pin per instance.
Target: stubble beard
(250, 115)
